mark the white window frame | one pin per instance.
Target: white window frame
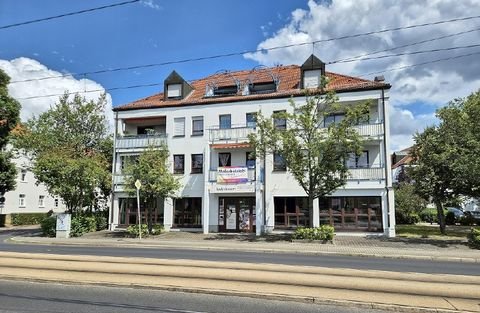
(41, 201)
(23, 175)
(179, 126)
(22, 200)
(198, 132)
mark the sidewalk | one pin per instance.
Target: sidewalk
(426, 249)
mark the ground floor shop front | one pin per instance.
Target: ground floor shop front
(244, 213)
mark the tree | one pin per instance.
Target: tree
(315, 156)
(151, 168)
(71, 151)
(9, 119)
(446, 163)
(408, 204)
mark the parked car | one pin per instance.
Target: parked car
(454, 215)
(474, 215)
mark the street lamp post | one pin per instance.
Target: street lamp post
(138, 184)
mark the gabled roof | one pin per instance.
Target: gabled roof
(288, 78)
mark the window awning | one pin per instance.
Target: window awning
(230, 145)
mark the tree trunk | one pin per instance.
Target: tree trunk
(441, 216)
(310, 210)
(149, 217)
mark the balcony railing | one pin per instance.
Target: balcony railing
(213, 175)
(118, 179)
(370, 130)
(140, 141)
(371, 173)
(231, 134)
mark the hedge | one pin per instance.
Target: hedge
(474, 238)
(27, 218)
(324, 233)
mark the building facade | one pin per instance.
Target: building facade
(28, 196)
(205, 125)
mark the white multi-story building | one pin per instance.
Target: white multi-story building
(205, 125)
(28, 196)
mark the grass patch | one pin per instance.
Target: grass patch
(431, 231)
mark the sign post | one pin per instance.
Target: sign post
(138, 184)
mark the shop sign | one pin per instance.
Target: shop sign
(232, 174)
(233, 188)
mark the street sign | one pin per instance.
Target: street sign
(138, 184)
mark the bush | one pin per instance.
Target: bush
(49, 225)
(27, 218)
(324, 233)
(101, 220)
(82, 224)
(408, 205)
(132, 230)
(450, 218)
(429, 215)
(474, 238)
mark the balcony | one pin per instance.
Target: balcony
(140, 141)
(371, 173)
(234, 134)
(213, 175)
(370, 130)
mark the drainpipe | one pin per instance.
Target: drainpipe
(387, 189)
(114, 168)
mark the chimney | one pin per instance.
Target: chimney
(379, 79)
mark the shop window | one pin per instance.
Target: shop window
(291, 212)
(188, 212)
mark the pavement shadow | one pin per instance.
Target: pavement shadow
(21, 232)
(439, 243)
(250, 237)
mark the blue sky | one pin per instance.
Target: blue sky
(154, 31)
(139, 34)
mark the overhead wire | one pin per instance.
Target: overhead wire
(68, 14)
(247, 51)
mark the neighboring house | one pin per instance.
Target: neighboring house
(28, 196)
(205, 125)
(401, 160)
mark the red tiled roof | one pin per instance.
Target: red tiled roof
(289, 85)
(230, 145)
(406, 160)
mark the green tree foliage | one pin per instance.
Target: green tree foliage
(152, 169)
(9, 119)
(408, 204)
(446, 162)
(71, 150)
(315, 156)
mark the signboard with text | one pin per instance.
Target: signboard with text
(232, 175)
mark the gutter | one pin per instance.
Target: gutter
(387, 189)
(114, 169)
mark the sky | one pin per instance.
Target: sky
(158, 31)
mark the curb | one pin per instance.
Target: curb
(124, 244)
(276, 297)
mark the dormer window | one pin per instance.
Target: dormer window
(225, 91)
(175, 87)
(311, 78)
(312, 71)
(259, 88)
(174, 91)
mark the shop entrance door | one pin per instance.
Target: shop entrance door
(236, 214)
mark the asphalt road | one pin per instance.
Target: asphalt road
(332, 261)
(41, 297)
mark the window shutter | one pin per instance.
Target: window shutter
(174, 90)
(179, 126)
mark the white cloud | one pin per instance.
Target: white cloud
(152, 4)
(432, 85)
(25, 69)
